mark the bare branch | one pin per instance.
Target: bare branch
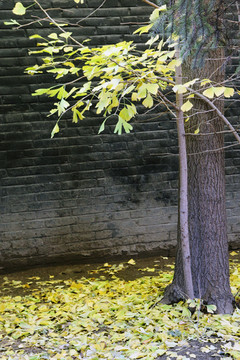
(151, 4)
(220, 114)
(56, 24)
(211, 104)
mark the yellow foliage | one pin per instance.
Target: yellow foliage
(92, 317)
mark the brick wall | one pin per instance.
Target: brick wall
(83, 195)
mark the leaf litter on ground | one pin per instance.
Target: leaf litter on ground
(102, 314)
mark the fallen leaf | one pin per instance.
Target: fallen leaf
(131, 262)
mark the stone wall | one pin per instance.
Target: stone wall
(82, 195)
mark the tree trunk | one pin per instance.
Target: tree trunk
(206, 201)
(183, 189)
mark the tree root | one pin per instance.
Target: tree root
(224, 302)
(173, 294)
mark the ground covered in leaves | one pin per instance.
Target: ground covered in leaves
(110, 311)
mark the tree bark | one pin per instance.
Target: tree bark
(206, 201)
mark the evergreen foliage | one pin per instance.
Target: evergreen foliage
(201, 26)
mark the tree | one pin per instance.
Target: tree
(200, 27)
(125, 76)
(206, 203)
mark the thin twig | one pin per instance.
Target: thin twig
(30, 23)
(197, 153)
(167, 100)
(210, 133)
(214, 150)
(92, 12)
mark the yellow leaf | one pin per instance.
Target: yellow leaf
(142, 91)
(143, 29)
(233, 253)
(196, 131)
(180, 89)
(161, 352)
(186, 106)
(73, 352)
(209, 93)
(53, 36)
(191, 82)
(174, 63)
(131, 262)
(228, 92)
(125, 114)
(152, 88)
(155, 14)
(160, 44)
(205, 81)
(75, 285)
(137, 355)
(128, 89)
(54, 130)
(19, 9)
(152, 40)
(150, 269)
(219, 90)
(148, 102)
(186, 312)
(68, 48)
(134, 96)
(100, 346)
(26, 286)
